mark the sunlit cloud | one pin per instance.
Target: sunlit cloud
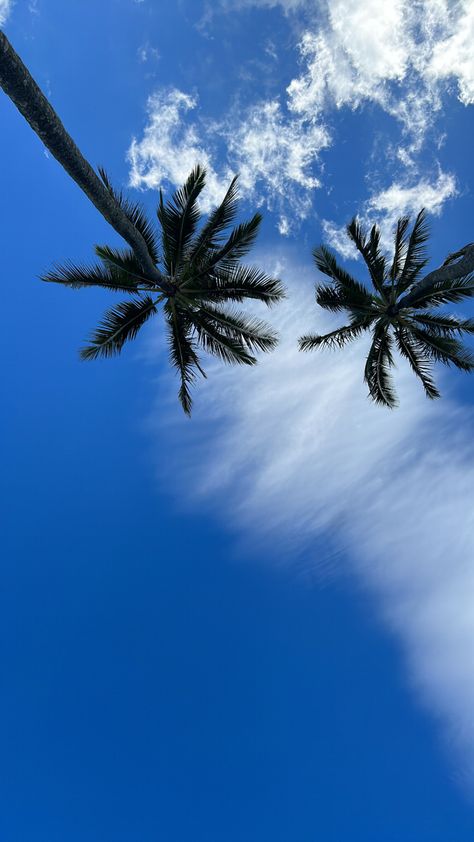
(5, 9)
(299, 457)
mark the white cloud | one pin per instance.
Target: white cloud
(298, 454)
(170, 149)
(385, 208)
(5, 9)
(453, 55)
(272, 154)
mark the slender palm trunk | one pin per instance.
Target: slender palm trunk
(19, 85)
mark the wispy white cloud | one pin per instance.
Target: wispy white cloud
(399, 57)
(5, 9)
(386, 206)
(298, 455)
(170, 148)
(274, 156)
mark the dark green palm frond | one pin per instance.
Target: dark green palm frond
(444, 349)
(122, 262)
(355, 292)
(330, 298)
(444, 292)
(120, 324)
(182, 352)
(237, 245)
(400, 247)
(370, 251)
(416, 257)
(444, 325)
(377, 368)
(74, 276)
(210, 237)
(179, 218)
(237, 284)
(218, 339)
(136, 215)
(419, 362)
(335, 339)
(253, 333)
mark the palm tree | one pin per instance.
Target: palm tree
(398, 310)
(202, 272)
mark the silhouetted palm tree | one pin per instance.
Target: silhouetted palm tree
(399, 309)
(201, 273)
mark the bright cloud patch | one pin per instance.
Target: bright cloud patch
(273, 155)
(299, 455)
(170, 148)
(399, 56)
(386, 207)
(5, 7)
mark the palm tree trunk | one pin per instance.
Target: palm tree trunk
(19, 85)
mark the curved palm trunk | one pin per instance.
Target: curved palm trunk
(19, 85)
(449, 271)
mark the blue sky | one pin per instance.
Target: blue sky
(256, 624)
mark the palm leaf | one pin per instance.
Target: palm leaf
(370, 251)
(136, 215)
(237, 245)
(444, 325)
(400, 247)
(179, 218)
(253, 333)
(444, 349)
(122, 262)
(237, 284)
(218, 339)
(74, 276)
(377, 368)
(443, 292)
(119, 325)
(355, 293)
(182, 352)
(219, 219)
(420, 364)
(335, 339)
(416, 258)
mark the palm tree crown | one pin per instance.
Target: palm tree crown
(398, 310)
(200, 273)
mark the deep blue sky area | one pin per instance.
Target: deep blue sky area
(156, 683)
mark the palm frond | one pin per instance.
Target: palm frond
(237, 284)
(76, 277)
(443, 292)
(416, 257)
(122, 262)
(444, 349)
(210, 237)
(355, 293)
(253, 333)
(370, 251)
(400, 247)
(446, 325)
(335, 339)
(377, 368)
(136, 215)
(218, 339)
(237, 245)
(419, 362)
(182, 352)
(179, 218)
(119, 325)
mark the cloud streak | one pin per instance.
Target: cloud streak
(299, 456)
(5, 9)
